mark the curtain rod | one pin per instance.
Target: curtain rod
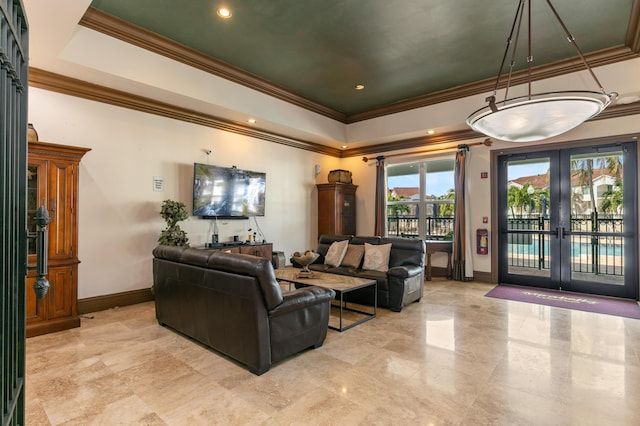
(486, 142)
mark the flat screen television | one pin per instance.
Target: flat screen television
(228, 192)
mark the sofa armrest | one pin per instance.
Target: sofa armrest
(405, 271)
(302, 298)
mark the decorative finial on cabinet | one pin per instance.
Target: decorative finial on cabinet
(32, 135)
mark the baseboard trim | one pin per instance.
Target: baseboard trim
(484, 277)
(101, 303)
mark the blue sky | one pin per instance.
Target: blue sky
(439, 183)
(530, 169)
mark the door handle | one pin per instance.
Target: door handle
(560, 232)
(41, 286)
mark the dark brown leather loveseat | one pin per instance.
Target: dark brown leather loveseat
(232, 303)
(399, 286)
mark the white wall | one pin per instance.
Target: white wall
(119, 221)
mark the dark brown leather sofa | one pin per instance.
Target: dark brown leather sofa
(401, 285)
(233, 304)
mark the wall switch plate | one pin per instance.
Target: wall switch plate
(484, 175)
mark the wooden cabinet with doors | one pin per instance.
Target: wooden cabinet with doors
(52, 181)
(255, 249)
(260, 250)
(336, 209)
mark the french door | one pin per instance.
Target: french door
(568, 219)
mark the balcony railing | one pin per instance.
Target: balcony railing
(600, 255)
(438, 227)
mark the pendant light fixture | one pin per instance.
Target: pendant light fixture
(536, 116)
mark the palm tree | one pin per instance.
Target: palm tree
(538, 196)
(519, 198)
(447, 209)
(513, 194)
(393, 210)
(613, 164)
(583, 171)
(613, 198)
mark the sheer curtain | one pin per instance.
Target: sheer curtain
(462, 263)
(380, 224)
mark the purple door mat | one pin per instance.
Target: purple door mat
(563, 299)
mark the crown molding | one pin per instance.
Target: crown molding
(615, 111)
(122, 30)
(435, 141)
(70, 86)
(604, 57)
(630, 50)
(145, 39)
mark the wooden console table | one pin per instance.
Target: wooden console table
(433, 246)
(255, 249)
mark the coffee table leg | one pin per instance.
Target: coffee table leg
(375, 299)
(341, 303)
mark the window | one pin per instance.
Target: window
(420, 199)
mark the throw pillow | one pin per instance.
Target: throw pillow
(353, 256)
(376, 257)
(336, 252)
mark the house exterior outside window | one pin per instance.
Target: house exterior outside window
(420, 199)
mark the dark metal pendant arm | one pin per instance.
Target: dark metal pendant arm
(572, 40)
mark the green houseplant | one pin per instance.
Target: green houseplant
(173, 212)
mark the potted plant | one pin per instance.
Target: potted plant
(173, 212)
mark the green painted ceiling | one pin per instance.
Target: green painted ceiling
(399, 49)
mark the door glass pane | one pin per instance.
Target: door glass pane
(32, 205)
(597, 208)
(403, 198)
(420, 199)
(439, 198)
(528, 211)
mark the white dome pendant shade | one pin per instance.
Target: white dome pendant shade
(537, 116)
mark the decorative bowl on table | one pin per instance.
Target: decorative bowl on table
(304, 259)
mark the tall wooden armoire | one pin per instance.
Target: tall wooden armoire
(52, 181)
(336, 208)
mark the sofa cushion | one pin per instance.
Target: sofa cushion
(405, 251)
(336, 252)
(353, 256)
(376, 257)
(325, 241)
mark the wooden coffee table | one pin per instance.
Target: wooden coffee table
(341, 284)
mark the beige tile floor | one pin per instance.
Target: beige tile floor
(454, 358)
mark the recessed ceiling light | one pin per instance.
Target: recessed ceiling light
(251, 120)
(430, 132)
(359, 86)
(224, 12)
(344, 147)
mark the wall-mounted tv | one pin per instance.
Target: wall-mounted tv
(228, 192)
